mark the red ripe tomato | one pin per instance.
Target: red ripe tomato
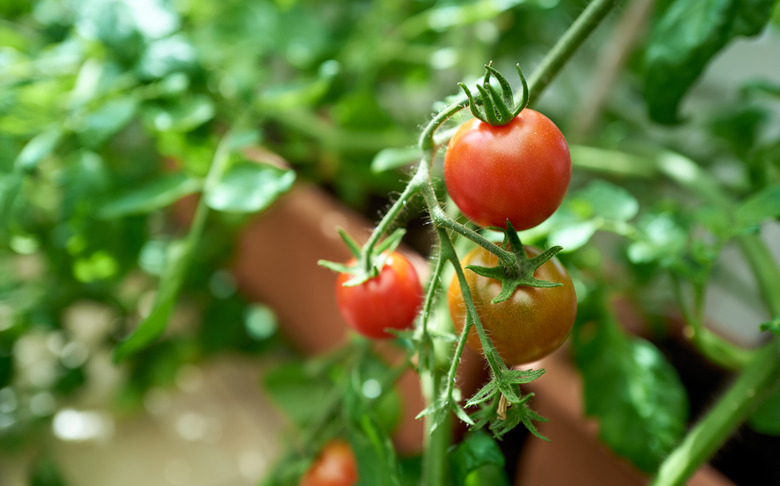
(334, 466)
(388, 301)
(528, 326)
(519, 171)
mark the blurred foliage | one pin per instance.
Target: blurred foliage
(111, 111)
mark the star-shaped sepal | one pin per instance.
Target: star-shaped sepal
(521, 272)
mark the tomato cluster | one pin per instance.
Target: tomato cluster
(515, 173)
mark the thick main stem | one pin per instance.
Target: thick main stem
(569, 42)
(707, 436)
(438, 437)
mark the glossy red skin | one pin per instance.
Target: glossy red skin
(334, 466)
(519, 171)
(390, 300)
(528, 326)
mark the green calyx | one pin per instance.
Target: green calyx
(497, 109)
(521, 272)
(367, 263)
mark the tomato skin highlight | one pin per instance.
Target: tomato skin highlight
(519, 171)
(334, 466)
(389, 300)
(528, 326)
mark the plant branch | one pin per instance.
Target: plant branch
(616, 52)
(764, 268)
(747, 392)
(569, 42)
(714, 348)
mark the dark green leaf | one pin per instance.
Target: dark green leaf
(766, 419)
(248, 187)
(46, 472)
(6, 369)
(155, 195)
(476, 451)
(634, 392)
(759, 207)
(685, 39)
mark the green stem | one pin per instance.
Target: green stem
(765, 270)
(712, 346)
(569, 42)
(751, 386)
(418, 181)
(448, 253)
(330, 135)
(438, 437)
(427, 142)
(491, 354)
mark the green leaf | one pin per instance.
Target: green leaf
(248, 187)
(6, 369)
(574, 235)
(10, 186)
(660, 238)
(154, 325)
(393, 158)
(609, 201)
(634, 392)
(759, 207)
(190, 114)
(299, 93)
(772, 326)
(37, 148)
(373, 448)
(152, 196)
(685, 39)
(586, 211)
(297, 391)
(476, 451)
(107, 120)
(766, 419)
(518, 413)
(46, 472)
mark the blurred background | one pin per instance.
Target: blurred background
(111, 117)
